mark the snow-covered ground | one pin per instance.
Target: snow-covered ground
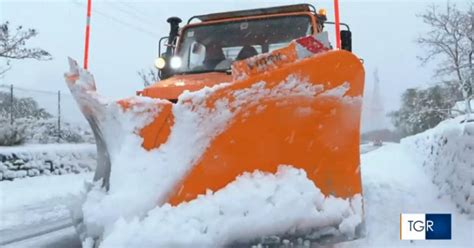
(368, 147)
(394, 182)
(32, 201)
(63, 238)
(254, 205)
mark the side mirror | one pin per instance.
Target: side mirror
(161, 44)
(346, 40)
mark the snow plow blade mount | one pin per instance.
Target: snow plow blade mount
(282, 108)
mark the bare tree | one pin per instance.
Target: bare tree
(148, 77)
(451, 38)
(13, 46)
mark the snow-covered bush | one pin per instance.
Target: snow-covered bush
(448, 154)
(46, 132)
(22, 107)
(42, 131)
(422, 109)
(11, 135)
(32, 124)
(52, 159)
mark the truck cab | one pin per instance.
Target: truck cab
(202, 52)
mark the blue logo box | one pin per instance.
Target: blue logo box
(441, 228)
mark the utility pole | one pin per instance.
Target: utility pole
(59, 116)
(11, 104)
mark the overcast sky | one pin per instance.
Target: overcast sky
(125, 35)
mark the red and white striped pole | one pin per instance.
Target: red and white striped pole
(336, 22)
(88, 30)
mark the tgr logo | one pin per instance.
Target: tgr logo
(419, 226)
(425, 226)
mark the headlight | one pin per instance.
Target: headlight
(160, 63)
(175, 62)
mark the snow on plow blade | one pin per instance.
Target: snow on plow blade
(289, 107)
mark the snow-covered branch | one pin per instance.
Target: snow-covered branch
(13, 45)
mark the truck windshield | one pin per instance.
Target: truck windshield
(214, 47)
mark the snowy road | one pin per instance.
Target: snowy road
(42, 235)
(394, 183)
(35, 206)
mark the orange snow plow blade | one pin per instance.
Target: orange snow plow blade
(284, 108)
(298, 106)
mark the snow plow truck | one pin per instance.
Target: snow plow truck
(241, 94)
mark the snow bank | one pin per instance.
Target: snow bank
(255, 205)
(459, 107)
(447, 152)
(56, 159)
(394, 182)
